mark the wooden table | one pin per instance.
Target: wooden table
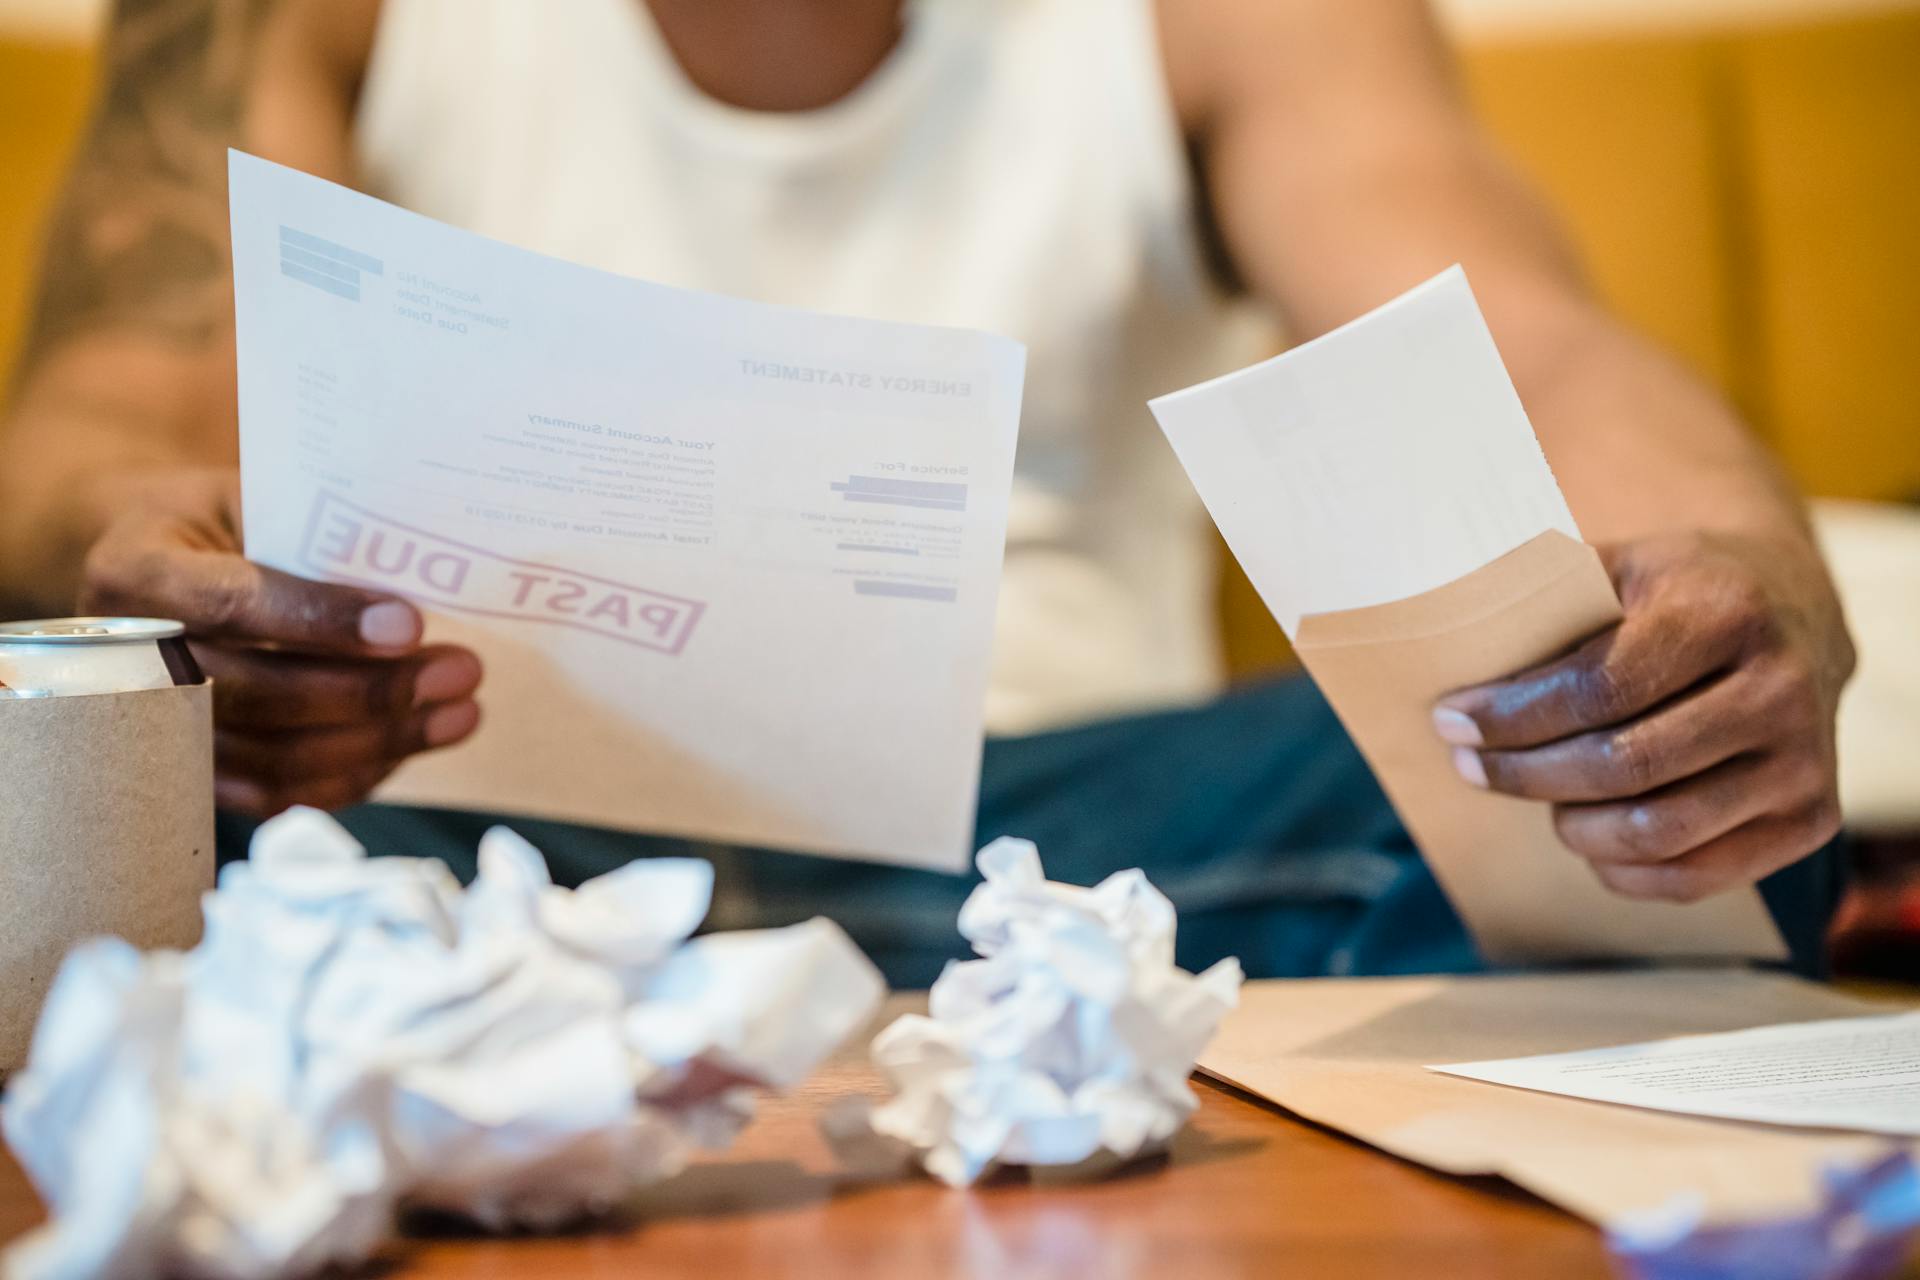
(1246, 1191)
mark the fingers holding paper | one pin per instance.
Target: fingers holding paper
(320, 690)
(1688, 750)
(325, 732)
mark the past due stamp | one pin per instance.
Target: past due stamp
(345, 542)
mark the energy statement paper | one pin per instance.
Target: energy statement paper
(731, 566)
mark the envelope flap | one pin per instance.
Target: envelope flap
(1527, 570)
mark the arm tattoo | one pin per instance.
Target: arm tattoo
(140, 240)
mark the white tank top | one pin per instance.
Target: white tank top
(1013, 165)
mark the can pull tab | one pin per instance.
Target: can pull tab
(70, 629)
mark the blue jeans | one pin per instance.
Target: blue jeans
(1254, 814)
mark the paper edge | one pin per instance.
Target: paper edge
(1432, 285)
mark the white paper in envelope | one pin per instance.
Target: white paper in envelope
(1384, 489)
(1376, 462)
(731, 567)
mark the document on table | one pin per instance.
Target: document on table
(1352, 1054)
(731, 567)
(1846, 1073)
(1385, 492)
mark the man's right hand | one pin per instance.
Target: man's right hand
(320, 691)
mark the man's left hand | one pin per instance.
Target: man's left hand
(1690, 748)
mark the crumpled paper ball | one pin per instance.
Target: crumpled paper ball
(357, 1035)
(1069, 1041)
(1865, 1228)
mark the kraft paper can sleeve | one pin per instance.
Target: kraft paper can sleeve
(106, 827)
(1524, 895)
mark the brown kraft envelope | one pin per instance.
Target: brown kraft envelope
(1352, 1053)
(1524, 895)
(106, 827)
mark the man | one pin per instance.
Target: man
(1091, 176)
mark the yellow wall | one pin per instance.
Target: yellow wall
(1482, 21)
(1751, 198)
(45, 84)
(1833, 172)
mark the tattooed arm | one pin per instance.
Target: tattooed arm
(129, 364)
(118, 490)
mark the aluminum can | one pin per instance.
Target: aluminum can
(66, 657)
